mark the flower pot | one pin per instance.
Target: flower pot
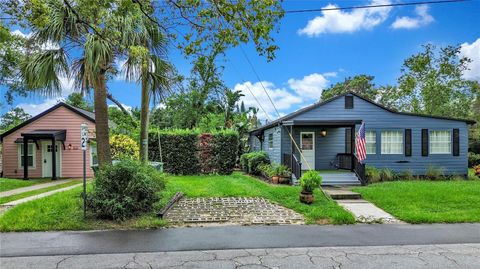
(306, 197)
(275, 179)
(284, 180)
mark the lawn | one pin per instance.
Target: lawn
(6, 199)
(427, 201)
(63, 211)
(7, 184)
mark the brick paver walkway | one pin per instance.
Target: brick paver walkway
(230, 210)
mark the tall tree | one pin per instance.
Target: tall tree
(13, 118)
(360, 84)
(76, 99)
(431, 82)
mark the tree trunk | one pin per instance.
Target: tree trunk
(101, 122)
(144, 121)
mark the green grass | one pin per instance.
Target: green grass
(237, 184)
(427, 201)
(63, 211)
(7, 184)
(7, 199)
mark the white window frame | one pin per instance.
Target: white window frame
(387, 142)
(433, 144)
(34, 156)
(270, 141)
(371, 142)
(93, 145)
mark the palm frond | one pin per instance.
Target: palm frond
(41, 71)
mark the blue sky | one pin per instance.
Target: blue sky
(318, 49)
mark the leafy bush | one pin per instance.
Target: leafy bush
(225, 145)
(124, 190)
(387, 174)
(372, 173)
(251, 161)
(434, 173)
(189, 152)
(473, 159)
(124, 147)
(266, 170)
(310, 180)
(255, 159)
(406, 174)
(281, 170)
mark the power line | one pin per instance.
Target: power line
(374, 6)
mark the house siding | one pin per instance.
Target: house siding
(72, 160)
(378, 119)
(273, 153)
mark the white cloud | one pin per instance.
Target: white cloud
(34, 109)
(310, 86)
(127, 107)
(422, 19)
(45, 46)
(337, 21)
(472, 51)
(281, 97)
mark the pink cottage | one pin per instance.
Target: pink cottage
(56, 128)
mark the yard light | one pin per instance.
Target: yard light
(323, 133)
(69, 146)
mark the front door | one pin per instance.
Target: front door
(307, 145)
(47, 158)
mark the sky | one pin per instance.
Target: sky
(318, 49)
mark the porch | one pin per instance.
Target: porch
(325, 146)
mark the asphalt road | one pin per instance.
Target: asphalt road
(233, 237)
(411, 257)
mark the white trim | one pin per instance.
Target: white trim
(312, 165)
(19, 156)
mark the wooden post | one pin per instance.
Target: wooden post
(25, 158)
(54, 161)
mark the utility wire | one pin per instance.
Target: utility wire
(374, 6)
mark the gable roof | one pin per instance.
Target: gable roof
(82, 112)
(318, 104)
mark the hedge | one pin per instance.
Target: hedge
(187, 152)
(251, 162)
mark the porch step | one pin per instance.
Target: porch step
(342, 193)
(339, 178)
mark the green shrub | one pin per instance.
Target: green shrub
(124, 147)
(372, 173)
(473, 159)
(189, 152)
(225, 145)
(387, 174)
(124, 190)
(266, 170)
(281, 170)
(255, 159)
(244, 162)
(434, 173)
(406, 175)
(310, 180)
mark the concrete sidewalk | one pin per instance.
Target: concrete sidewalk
(38, 196)
(410, 256)
(234, 237)
(34, 187)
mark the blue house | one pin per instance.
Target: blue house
(325, 134)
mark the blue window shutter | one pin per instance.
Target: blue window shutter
(408, 142)
(424, 142)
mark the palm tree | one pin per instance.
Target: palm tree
(99, 37)
(146, 65)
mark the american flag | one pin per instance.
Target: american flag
(360, 143)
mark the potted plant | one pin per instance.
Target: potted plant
(269, 172)
(309, 181)
(283, 174)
